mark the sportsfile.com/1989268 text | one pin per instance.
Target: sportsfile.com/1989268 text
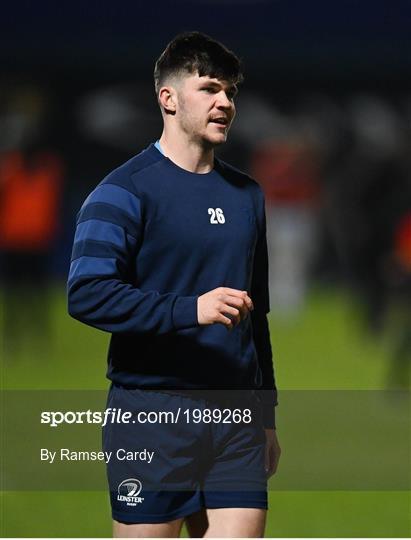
(118, 416)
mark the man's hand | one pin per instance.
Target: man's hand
(214, 306)
(272, 452)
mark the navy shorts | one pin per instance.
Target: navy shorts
(175, 453)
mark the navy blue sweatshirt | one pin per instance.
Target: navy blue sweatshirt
(150, 239)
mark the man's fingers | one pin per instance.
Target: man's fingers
(275, 459)
(273, 463)
(249, 303)
(225, 320)
(233, 292)
(272, 452)
(239, 294)
(238, 302)
(234, 305)
(236, 314)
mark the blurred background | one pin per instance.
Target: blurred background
(323, 124)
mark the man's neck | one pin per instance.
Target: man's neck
(187, 155)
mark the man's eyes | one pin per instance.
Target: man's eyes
(213, 90)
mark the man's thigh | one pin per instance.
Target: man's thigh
(235, 522)
(170, 529)
(227, 522)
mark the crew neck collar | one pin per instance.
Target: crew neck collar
(157, 148)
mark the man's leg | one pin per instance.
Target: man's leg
(235, 522)
(234, 490)
(152, 500)
(171, 529)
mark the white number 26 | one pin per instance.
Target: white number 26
(217, 216)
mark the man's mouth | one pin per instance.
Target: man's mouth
(221, 120)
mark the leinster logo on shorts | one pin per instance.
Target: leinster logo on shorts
(129, 490)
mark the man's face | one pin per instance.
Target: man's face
(205, 108)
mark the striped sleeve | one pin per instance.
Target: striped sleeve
(100, 291)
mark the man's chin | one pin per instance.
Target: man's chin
(216, 140)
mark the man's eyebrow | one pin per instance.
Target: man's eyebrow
(211, 83)
(231, 88)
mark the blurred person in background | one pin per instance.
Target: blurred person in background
(371, 197)
(289, 172)
(284, 153)
(30, 192)
(170, 257)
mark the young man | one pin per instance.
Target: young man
(170, 257)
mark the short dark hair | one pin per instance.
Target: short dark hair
(195, 52)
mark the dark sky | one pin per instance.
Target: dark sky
(354, 39)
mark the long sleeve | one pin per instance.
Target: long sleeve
(260, 296)
(101, 288)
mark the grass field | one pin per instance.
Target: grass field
(325, 349)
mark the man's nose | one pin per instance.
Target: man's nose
(223, 101)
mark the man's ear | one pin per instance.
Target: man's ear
(168, 99)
